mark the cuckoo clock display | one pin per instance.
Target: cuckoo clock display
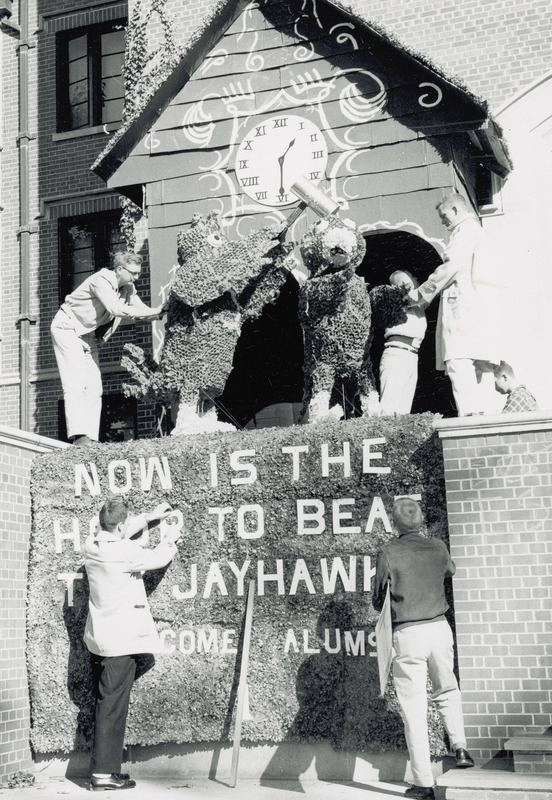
(274, 153)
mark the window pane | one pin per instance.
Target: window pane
(112, 89)
(112, 111)
(78, 70)
(113, 42)
(85, 244)
(80, 235)
(115, 237)
(90, 73)
(77, 47)
(112, 66)
(78, 93)
(113, 46)
(79, 116)
(82, 267)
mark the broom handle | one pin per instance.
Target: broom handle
(242, 685)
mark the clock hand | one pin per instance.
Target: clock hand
(281, 163)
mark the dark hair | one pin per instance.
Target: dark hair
(112, 513)
(404, 272)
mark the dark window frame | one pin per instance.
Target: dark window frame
(99, 223)
(94, 35)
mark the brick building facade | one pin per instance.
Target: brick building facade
(17, 451)
(497, 478)
(498, 51)
(498, 507)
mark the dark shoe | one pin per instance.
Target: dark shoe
(463, 759)
(421, 792)
(112, 782)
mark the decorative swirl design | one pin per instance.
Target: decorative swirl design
(254, 61)
(423, 99)
(151, 142)
(335, 172)
(217, 59)
(355, 106)
(303, 53)
(246, 16)
(198, 126)
(222, 179)
(313, 13)
(343, 38)
(407, 226)
(345, 187)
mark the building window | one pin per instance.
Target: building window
(488, 187)
(90, 81)
(119, 420)
(86, 244)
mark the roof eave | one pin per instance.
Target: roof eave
(130, 134)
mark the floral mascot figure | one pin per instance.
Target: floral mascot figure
(218, 285)
(336, 314)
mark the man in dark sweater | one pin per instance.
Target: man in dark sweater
(415, 568)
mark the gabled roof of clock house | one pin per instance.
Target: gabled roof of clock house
(327, 39)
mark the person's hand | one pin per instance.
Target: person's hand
(161, 511)
(173, 532)
(160, 311)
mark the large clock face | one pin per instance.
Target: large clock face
(275, 153)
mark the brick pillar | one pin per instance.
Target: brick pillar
(17, 450)
(498, 473)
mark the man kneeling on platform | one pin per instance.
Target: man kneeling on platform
(415, 568)
(119, 626)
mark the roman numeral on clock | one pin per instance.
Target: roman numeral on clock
(314, 176)
(280, 123)
(253, 181)
(318, 154)
(243, 164)
(260, 131)
(260, 195)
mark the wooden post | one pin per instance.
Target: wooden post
(242, 685)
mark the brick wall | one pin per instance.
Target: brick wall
(498, 473)
(17, 451)
(496, 47)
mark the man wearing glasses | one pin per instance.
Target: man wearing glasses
(88, 316)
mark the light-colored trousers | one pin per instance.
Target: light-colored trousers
(398, 372)
(473, 385)
(423, 649)
(81, 379)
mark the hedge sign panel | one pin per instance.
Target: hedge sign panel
(302, 511)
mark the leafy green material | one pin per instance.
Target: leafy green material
(190, 697)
